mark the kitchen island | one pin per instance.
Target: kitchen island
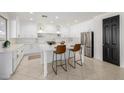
(47, 52)
(11, 57)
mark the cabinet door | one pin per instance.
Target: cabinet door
(106, 39)
(14, 60)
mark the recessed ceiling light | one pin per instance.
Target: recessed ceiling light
(31, 19)
(31, 12)
(56, 17)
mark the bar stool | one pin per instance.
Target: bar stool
(62, 42)
(77, 48)
(60, 50)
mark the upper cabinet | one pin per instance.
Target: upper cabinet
(14, 27)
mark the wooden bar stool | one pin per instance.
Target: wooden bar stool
(60, 50)
(77, 48)
(62, 43)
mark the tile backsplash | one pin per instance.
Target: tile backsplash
(42, 40)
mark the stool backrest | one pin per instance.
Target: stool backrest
(63, 42)
(77, 47)
(61, 49)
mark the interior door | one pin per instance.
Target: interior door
(111, 51)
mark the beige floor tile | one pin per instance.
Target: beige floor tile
(92, 69)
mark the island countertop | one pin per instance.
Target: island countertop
(11, 48)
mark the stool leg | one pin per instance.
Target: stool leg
(70, 63)
(53, 61)
(61, 59)
(65, 68)
(56, 64)
(80, 59)
(69, 54)
(81, 50)
(68, 57)
(53, 66)
(74, 61)
(65, 62)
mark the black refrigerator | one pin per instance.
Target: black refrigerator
(87, 39)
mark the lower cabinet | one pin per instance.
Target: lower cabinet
(5, 65)
(9, 62)
(31, 48)
(17, 57)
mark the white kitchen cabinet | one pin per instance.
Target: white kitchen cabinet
(17, 57)
(5, 65)
(31, 48)
(9, 60)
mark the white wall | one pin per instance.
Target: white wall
(122, 39)
(64, 31)
(50, 29)
(12, 27)
(75, 30)
(17, 27)
(96, 26)
(28, 29)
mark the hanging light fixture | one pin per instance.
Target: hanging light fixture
(58, 29)
(40, 31)
(42, 23)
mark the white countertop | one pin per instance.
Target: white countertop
(11, 48)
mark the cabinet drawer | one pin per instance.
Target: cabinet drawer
(17, 56)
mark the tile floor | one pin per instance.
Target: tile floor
(91, 70)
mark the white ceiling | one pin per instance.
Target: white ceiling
(63, 18)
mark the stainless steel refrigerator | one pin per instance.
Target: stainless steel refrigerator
(87, 39)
